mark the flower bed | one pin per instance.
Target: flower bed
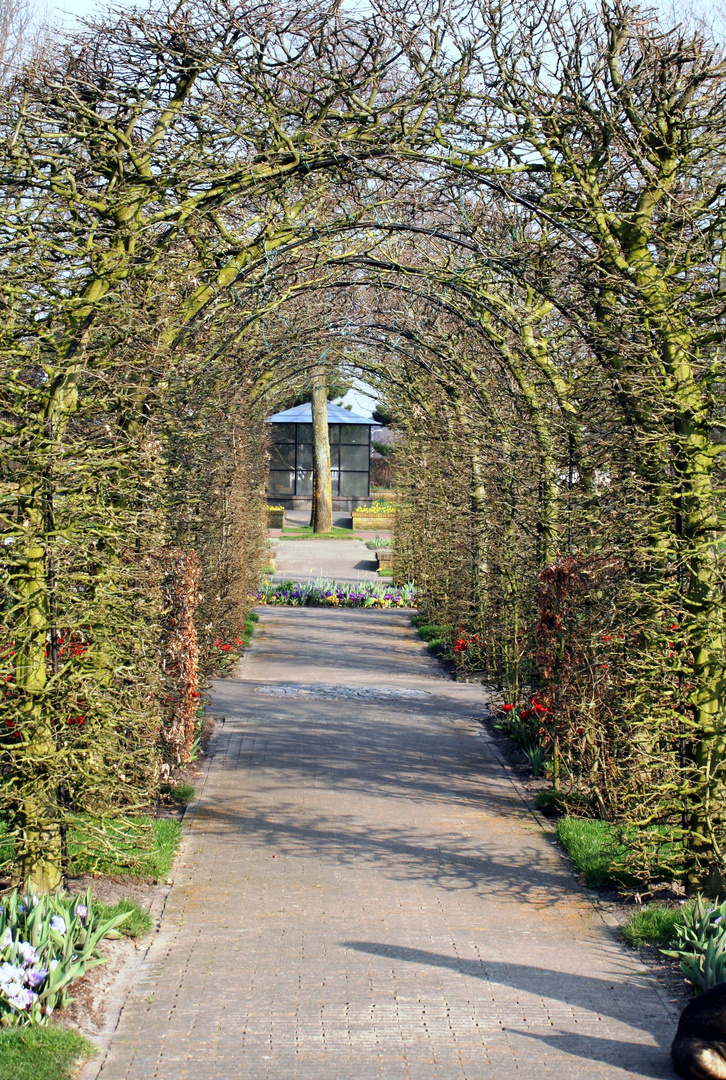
(46, 943)
(365, 594)
(373, 521)
(379, 515)
(276, 517)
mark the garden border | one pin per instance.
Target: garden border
(550, 832)
(118, 994)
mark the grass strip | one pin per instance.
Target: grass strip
(44, 1053)
(251, 621)
(653, 924)
(182, 794)
(595, 849)
(305, 532)
(604, 852)
(138, 923)
(146, 853)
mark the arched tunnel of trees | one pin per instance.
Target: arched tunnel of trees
(508, 219)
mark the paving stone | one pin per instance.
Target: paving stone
(343, 560)
(361, 894)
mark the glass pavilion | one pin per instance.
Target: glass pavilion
(291, 454)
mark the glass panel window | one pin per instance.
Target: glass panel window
(333, 433)
(304, 482)
(334, 468)
(304, 433)
(354, 458)
(354, 433)
(283, 432)
(282, 456)
(354, 483)
(282, 483)
(305, 456)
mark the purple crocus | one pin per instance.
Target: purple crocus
(36, 977)
(28, 953)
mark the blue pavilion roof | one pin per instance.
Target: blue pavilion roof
(302, 414)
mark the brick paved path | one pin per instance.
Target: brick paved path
(361, 894)
(338, 560)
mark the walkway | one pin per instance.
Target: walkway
(344, 560)
(362, 896)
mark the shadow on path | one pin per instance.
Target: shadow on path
(579, 991)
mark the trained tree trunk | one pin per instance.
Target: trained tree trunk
(322, 512)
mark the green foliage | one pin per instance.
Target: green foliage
(199, 726)
(555, 803)
(653, 924)
(606, 853)
(138, 847)
(536, 757)
(305, 532)
(596, 849)
(47, 943)
(380, 542)
(137, 922)
(382, 414)
(521, 725)
(436, 637)
(46, 1053)
(182, 794)
(700, 943)
(248, 629)
(143, 848)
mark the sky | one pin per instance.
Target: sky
(66, 11)
(363, 403)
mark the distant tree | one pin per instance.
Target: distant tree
(383, 415)
(16, 18)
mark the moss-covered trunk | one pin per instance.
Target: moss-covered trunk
(322, 509)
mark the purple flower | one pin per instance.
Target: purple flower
(20, 997)
(28, 953)
(58, 924)
(9, 974)
(81, 911)
(35, 977)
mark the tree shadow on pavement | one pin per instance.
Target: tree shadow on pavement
(618, 1000)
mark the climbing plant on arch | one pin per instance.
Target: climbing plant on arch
(200, 203)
